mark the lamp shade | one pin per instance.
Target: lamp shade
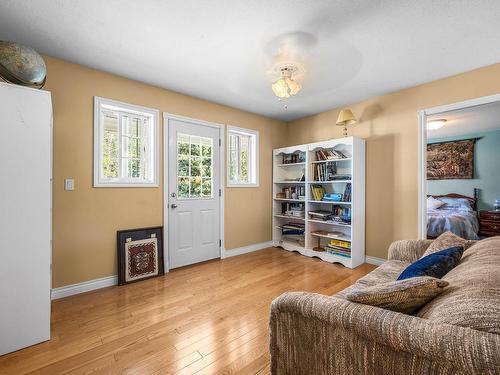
(346, 117)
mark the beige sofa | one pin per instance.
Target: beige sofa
(456, 333)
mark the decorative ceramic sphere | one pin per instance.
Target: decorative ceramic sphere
(21, 65)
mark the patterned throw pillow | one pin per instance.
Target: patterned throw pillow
(435, 265)
(405, 296)
(445, 241)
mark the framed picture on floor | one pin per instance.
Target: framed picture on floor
(140, 254)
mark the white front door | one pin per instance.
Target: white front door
(193, 201)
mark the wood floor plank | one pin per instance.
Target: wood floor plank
(209, 318)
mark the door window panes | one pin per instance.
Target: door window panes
(194, 166)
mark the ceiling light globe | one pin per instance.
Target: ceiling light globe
(285, 86)
(280, 88)
(435, 124)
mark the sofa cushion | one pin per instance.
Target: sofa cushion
(473, 297)
(388, 271)
(403, 296)
(445, 241)
(436, 264)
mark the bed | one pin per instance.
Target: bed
(452, 212)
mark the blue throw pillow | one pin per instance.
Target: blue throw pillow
(436, 264)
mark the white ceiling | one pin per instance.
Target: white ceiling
(482, 118)
(224, 50)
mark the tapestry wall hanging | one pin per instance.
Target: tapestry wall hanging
(140, 254)
(450, 160)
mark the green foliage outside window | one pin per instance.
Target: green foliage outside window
(194, 166)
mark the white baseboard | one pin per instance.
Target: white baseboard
(104, 282)
(85, 286)
(246, 249)
(374, 260)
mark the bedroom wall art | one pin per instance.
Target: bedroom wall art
(451, 160)
(140, 254)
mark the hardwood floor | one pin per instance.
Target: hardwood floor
(207, 318)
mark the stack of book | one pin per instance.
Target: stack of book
(339, 247)
(292, 229)
(298, 157)
(317, 192)
(330, 154)
(320, 215)
(293, 209)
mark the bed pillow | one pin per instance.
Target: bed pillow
(456, 204)
(405, 296)
(445, 241)
(433, 203)
(435, 265)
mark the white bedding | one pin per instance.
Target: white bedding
(461, 222)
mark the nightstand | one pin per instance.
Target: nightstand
(489, 223)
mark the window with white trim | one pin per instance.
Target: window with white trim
(125, 145)
(242, 157)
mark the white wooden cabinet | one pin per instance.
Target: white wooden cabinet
(25, 220)
(353, 230)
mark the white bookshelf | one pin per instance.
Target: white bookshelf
(287, 175)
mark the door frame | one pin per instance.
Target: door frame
(422, 150)
(166, 186)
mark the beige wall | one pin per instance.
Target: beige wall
(86, 219)
(389, 125)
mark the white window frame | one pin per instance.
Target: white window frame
(100, 106)
(253, 169)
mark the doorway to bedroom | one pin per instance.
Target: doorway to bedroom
(459, 169)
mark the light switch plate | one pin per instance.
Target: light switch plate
(69, 184)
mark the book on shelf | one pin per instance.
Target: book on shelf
(338, 214)
(317, 192)
(296, 157)
(293, 209)
(325, 233)
(328, 172)
(324, 172)
(340, 249)
(338, 252)
(296, 229)
(292, 192)
(320, 214)
(341, 243)
(348, 192)
(341, 177)
(330, 154)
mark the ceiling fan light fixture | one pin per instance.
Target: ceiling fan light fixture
(286, 86)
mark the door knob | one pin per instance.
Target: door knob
(173, 205)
